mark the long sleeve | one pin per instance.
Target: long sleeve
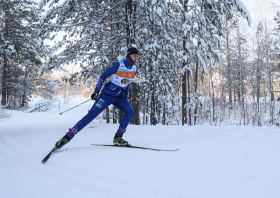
(109, 71)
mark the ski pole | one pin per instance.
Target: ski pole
(74, 107)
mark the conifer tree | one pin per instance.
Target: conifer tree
(202, 33)
(157, 36)
(23, 53)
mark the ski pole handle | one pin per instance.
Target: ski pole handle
(74, 107)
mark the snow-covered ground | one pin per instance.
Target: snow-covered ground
(213, 162)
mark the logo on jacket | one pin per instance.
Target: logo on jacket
(98, 105)
(124, 81)
(101, 100)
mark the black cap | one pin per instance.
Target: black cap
(132, 50)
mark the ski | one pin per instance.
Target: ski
(134, 147)
(48, 156)
(122, 146)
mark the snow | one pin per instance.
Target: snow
(159, 11)
(246, 13)
(213, 161)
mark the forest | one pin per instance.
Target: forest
(204, 61)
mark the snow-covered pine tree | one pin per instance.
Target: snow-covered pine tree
(93, 34)
(130, 21)
(21, 69)
(240, 67)
(157, 35)
(233, 63)
(5, 50)
(276, 53)
(258, 75)
(203, 30)
(266, 57)
(226, 56)
(186, 65)
(270, 54)
(276, 32)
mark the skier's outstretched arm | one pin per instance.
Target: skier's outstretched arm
(109, 71)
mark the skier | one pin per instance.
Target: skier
(115, 92)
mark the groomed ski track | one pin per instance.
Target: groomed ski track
(213, 161)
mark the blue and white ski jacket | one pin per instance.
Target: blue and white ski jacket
(119, 71)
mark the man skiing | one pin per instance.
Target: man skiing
(115, 92)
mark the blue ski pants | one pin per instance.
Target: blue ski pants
(100, 104)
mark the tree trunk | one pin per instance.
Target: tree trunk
(129, 40)
(4, 80)
(121, 115)
(184, 98)
(144, 109)
(196, 80)
(195, 90)
(135, 103)
(163, 115)
(114, 115)
(159, 118)
(107, 115)
(189, 99)
(229, 70)
(213, 100)
(258, 96)
(184, 79)
(153, 107)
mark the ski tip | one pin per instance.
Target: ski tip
(49, 155)
(44, 160)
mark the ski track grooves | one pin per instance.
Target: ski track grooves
(26, 165)
(11, 185)
(105, 180)
(20, 161)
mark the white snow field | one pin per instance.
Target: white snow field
(213, 161)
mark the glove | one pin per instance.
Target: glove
(127, 96)
(94, 96)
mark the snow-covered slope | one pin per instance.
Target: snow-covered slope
(213, 162)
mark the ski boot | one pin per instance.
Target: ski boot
(118, 140)
(62, 142)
